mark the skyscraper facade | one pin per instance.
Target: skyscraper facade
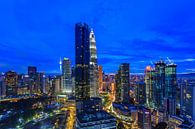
(150, 89)
(100, 76)
(160, 83)
(32, 72)
(123, 83)
(11, 80)
(66, 73)
(170, 88)
(188, 98)
(141, 93)
(41, 82)
(118, 96)
(82, 68)
(93, 66)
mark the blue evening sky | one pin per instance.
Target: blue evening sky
(39, 32)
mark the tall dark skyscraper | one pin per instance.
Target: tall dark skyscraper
(82, 68)
(160, 83)
(123, 83)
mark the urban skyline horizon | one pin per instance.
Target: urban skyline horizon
(59, 72)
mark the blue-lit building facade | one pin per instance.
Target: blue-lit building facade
(82, 68)
(123, 83)
(188, 98)
(67, 76)
(82, 73)
(170, 89)
(160, 83)
(149, 80)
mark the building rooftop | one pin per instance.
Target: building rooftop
(124, 107)
(95, 116)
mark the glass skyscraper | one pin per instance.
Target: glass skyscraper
(150, 87)
(82, 68)
(160, 83)
(170, 89)
(123, 83)
(66, 73)
(188, 98)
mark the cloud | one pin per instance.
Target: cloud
(193, 69)
(39, 32)
(185, 60)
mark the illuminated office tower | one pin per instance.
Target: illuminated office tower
(159, 83)
(93, 66)
(56, 84)
(32, 72)
(170, 88)
(11, 80)
(150, 89)
(141, 93)
(100, 76)
(123, 84)
(23, 84)
(144, 118)
(66, 73)
(82, 68)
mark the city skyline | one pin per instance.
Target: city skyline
(84, 97)
(158, 30)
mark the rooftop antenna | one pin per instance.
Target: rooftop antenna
(170, 61)
(152, 63)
